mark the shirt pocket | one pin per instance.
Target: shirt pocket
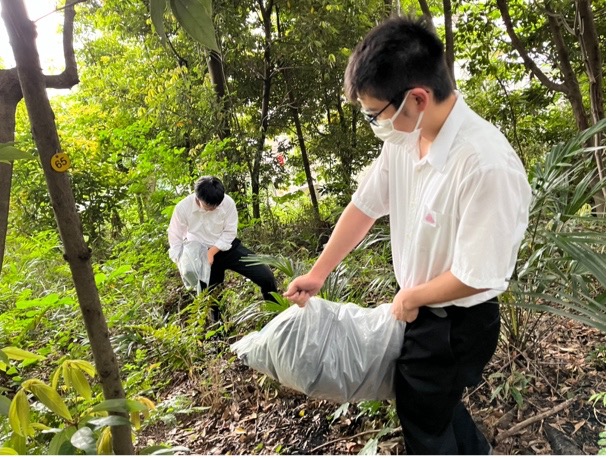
(433, 231)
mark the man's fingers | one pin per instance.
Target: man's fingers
(298, 297)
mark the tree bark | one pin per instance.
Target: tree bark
(265, 99)
(449, 33)
(304, 151)
(22, 35)
(585, 29)
(10, 95)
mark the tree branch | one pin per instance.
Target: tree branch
(519, 46)
(529, 421)
(69, 77)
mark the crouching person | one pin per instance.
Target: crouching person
(210, 217)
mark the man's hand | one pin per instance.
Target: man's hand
(211, 252)
(403, 306)
(303, 288)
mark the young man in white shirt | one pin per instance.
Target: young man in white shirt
(210, 216)
(458, 198)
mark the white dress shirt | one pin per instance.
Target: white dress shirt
(462, 208)
(217, 227)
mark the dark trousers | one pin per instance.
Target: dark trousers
(440, 357)
(231, 259)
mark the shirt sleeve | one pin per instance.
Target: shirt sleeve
(230, 227)
(177, 231)
(371, 196)
(493, 217)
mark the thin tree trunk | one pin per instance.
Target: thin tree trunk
(22, 37)
(265, 99)
(585, 29)
(447, 16)
(304, 154)
(10, 94)
(217, 76)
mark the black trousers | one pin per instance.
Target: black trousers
(440, 357)
(231, 259)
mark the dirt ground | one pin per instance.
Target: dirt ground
(242, 412)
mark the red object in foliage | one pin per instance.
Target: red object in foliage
(280, 159)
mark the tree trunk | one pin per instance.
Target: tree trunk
(217, 76)
(304, 153)
(22, 37)
(447, 16)
(10, 95)
(585, 29)
(265, 99)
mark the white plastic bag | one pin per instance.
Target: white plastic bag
(193, 265)
(327, 350)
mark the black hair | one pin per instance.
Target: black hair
(397, 55)
(210, 190)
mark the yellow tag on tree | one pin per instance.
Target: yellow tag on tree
(60, 162)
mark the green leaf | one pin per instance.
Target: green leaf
(4, 358)
(111, 420)
(119, 405)
(85, 440)
(10, 153)
(19, 415)
(104, 446)
(8, 451)
(5, 404)
(18, 443)
(196, 17)
(79, 382)
(370, 448)
(19, 354)
(60, 444)
(85, 366)
(49, 397)
(157, 11)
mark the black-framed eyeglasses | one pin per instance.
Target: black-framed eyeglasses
(373, 118)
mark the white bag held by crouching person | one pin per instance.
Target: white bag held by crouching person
(328, 350)
(193, 265)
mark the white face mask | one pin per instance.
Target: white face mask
(385, 130)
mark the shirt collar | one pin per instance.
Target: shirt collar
(440, 148)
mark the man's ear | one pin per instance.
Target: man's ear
(423, 97)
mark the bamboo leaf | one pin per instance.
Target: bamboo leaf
(8, 451)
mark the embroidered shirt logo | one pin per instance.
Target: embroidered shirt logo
(429, 218)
